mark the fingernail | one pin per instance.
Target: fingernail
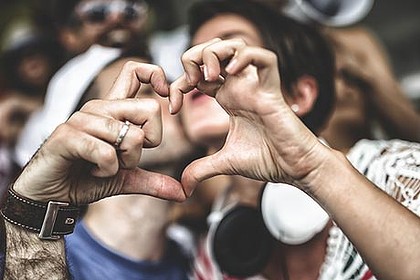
(170, 108)
(231, 66)
(206, 73)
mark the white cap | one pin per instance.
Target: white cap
(329, 12)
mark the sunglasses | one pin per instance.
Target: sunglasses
(99, 11)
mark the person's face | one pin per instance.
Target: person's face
(113, 23)
(174, 148)
(205, 122)
(35, 70)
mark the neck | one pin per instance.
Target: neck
(303, 262)
(138, 218)
(135, 218)
(245, 190)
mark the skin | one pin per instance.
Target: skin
(266, 150)
(253, 151)
(315, 171)
(206, 122)
(366, 89)
(91, 159)
(127, 211)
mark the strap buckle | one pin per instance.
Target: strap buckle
(50, 218)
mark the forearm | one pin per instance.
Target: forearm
(384, 232)
(394, 110)
(28, 257)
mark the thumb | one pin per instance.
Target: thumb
(140, 181)
(199, 170)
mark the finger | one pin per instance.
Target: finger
(145, 113)
(81, 146)
(132, 75)
(177, 90)
(215, 54)
(198, 171)
(107, 129)
(264, 60)
(192, 61)
(210, 88)
(153, 184)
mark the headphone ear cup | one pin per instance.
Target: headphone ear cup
(241, 244)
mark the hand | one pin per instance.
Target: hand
(266, 141)
(79, 163)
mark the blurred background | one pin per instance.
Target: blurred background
(396, 23)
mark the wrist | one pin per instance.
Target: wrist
(317, 162)
(19, 188)
(327, 183)
(50, 220)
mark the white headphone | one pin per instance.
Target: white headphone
(240, 237)
(291, 215)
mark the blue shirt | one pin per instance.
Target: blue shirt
(90, 260)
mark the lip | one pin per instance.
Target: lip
(197, 96)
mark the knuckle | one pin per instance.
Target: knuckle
(130, 65)
(91, 105)
(61, 133)
(152, 105)
(271, 55)
(112, 125)
(138, 135)
(240, 42)
(185, 57)
(108, 155)
(76, 118)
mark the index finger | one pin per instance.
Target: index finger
(132, 75)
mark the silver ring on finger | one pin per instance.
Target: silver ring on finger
(121, 135)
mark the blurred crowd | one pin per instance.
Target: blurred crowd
(56, 55)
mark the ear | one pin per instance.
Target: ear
(305, 93)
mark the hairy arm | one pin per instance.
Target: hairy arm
(28, 257)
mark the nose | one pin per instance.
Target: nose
(115, 17)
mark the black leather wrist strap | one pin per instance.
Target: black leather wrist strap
(51, 219)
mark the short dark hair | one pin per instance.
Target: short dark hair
(301, 49)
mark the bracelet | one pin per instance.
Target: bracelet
(51, 220)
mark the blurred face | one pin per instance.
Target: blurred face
(174, 148)
(205, 122)
(15, 110)
(35, 70)
(112, 23)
